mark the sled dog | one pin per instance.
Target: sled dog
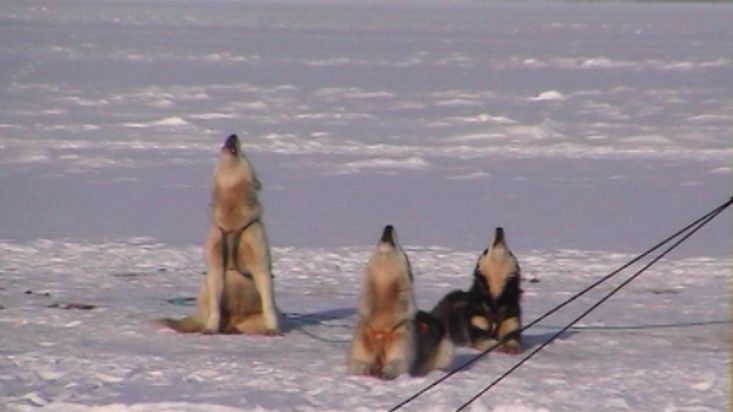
(434, 347)
(237, 294)
(490, 311)
(456, 310)
(390, 336)
(383, 344)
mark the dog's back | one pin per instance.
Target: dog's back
(453, 310)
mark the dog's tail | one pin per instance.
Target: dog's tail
(185, 325)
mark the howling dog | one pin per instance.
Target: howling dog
(490, 311)
(390, 336)
(237, 294)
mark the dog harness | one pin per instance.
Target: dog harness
(382, 335)
(378, 339)
(230, 247)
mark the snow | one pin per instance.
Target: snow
(588, 131)
(549, 95)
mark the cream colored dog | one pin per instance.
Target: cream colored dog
(490, 312)
(237, 294)
(384, 342)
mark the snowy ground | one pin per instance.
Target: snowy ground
(588, 131)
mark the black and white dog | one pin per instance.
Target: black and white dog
(490, 311)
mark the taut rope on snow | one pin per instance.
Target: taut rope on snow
(688, 231)
(650, 326)
(597, 304)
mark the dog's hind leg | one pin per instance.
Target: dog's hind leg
(247, 324)
(255, 259)
(399, 353)
(214, 278)
(362, 355)
(444, 357)
(263, 283)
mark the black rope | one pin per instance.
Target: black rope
(315, 319)
(707, 217)
(230, 247)
(642, 327)
(596, 305)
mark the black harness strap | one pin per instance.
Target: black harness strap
(230, 247)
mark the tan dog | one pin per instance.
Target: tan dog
(237, 294)
(384, 341)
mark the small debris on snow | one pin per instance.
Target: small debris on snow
(69, 306)
(36, 399)
(706, 384)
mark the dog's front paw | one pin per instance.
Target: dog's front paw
(511, 347)
(212, 325)
(484, 344)
(272, 332)
(271, 323)
(358, 368)
(391, 370)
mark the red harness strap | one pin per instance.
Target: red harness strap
(381, 335)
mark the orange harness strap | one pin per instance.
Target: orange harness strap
(376, 335)
(381, 335)
(378, 340)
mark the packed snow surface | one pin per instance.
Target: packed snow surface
(588, 131)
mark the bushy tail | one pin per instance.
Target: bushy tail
(185, 325)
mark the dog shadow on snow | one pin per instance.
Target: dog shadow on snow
(529, 343)
(333, 319)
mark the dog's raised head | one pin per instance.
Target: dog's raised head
(389, 261)
(388, 290)
(235, 186)
(232, 147)
(497, 263)
(231, 156)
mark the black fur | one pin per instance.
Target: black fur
(388, 235)
(504, 306)
(455, 311)
(458, 308)
(498, 236)
(231, 144)
(429, 333)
